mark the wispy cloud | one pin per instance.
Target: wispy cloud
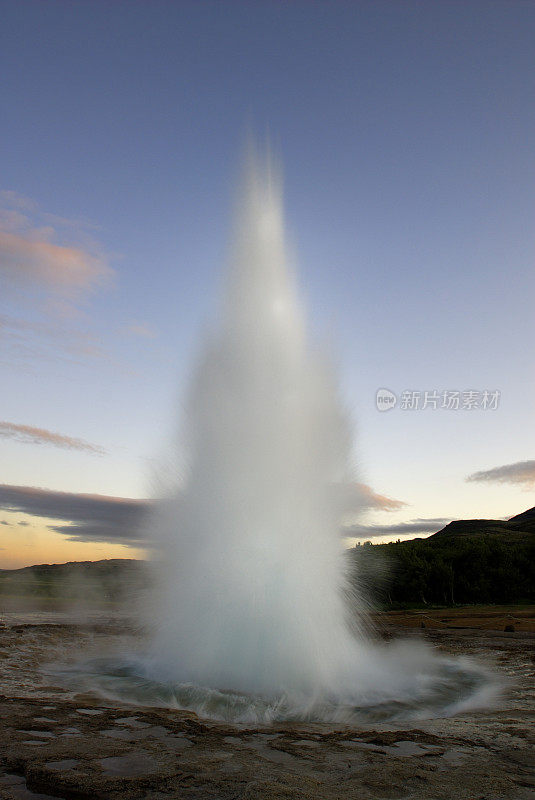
(42, 256)
(99, 518)
(29, 258)
(141, 329)
(49, 268)
(414, 526)
(27, 342)
(31, 435)
(521, 473)
(90, 517)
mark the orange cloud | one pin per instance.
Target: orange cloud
(67, 269)
(378, 502)
(30, 435)
(43, 254)
(357, 497)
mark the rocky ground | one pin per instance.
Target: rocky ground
(55, 743)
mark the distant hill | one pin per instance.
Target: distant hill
(95, 582)
(526, 519)
(106, 566)
(521, 525)
(468, 561)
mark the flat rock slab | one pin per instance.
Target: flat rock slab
(62, 766)
(130, 766)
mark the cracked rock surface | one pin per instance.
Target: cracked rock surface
(55, 743)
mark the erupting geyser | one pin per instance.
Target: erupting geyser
(255, 589)
(254, 616)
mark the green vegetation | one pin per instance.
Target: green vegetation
(468, 561)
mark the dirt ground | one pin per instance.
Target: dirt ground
(489, 618)
(55, 743)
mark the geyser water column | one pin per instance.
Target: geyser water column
(251, 614)
(253, 592)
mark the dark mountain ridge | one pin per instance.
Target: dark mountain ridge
(520, 525)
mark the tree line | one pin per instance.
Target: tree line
(448, 570)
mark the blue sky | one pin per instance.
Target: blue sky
(406, 133)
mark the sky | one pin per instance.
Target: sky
(405, 130)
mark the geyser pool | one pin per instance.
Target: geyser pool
(254, 616)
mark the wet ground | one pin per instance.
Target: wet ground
(55, 742)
